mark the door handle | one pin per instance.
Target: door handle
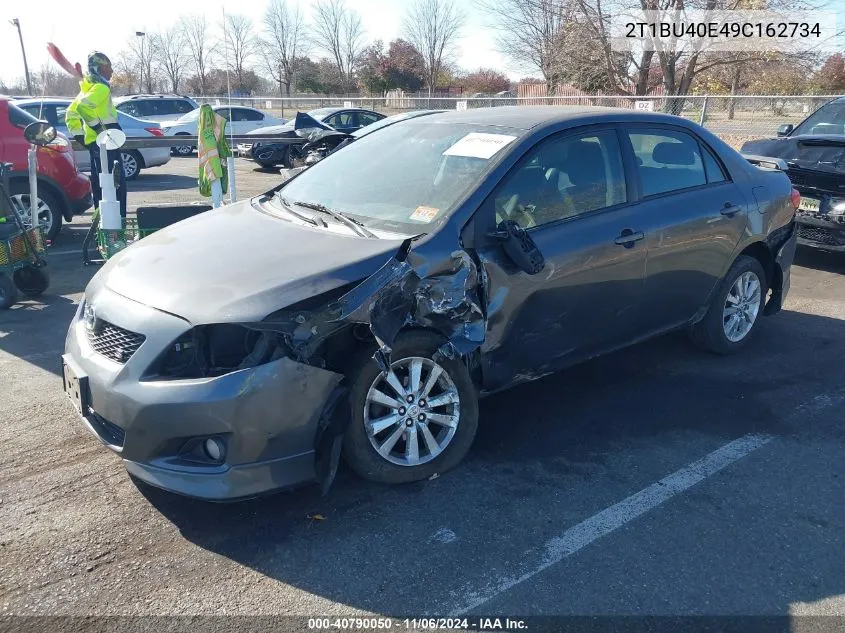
(628, 237)
(729, 209)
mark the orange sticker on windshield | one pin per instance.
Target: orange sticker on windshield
(424, 214)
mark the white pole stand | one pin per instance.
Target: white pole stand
(32, 169)
(216, 194)
(230, 163)
(109, 206)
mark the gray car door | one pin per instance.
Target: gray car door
(693, 214)
(570, 193)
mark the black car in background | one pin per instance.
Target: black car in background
(344, 120)
(814, 157)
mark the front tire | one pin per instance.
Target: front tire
(417, 421)
(735, 310)
(183, 150)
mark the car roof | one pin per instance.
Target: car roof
(528, 117)
(44, 100)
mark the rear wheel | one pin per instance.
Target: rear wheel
(8, 292)
(735, 309)
(131, 164)
(31, 281)
(49, 210)
(418, 420)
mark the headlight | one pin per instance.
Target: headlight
(213, 350)
(837, 206)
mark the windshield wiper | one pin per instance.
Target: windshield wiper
(305, 218)
(352, 223)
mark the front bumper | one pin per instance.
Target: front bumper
(82, 205)
(822, 233)
(267, 416)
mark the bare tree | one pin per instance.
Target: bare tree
(530, 32)
(142, 51)
(195, 29)
(338, 31)
(285, 40)
(434, 27)
(171, 55)
(240, 44)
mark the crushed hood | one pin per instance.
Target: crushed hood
(819, 152)
(237, 263)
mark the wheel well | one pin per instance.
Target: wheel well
(47, 186)
(139, 157)
(340, 350)
(761, 252)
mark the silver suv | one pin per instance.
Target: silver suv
(156, 107)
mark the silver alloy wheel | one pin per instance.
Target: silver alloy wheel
(130, 164)
(183, 150)
(742, 306)
(45, 213)
(412, 413)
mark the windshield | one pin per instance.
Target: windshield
(193, 115)
(829, 119)
(372, 127)
(405, 177)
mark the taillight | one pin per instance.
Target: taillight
(795, 198)
(155, 131)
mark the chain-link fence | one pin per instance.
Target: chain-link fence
(735, 119)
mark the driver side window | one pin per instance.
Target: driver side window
(563, 177)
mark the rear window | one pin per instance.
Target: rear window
(19, 118)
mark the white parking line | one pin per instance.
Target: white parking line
(576, 538)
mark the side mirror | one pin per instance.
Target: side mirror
(40, 133)
(785, 129)
(519, 247)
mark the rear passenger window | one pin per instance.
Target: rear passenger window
(712, 167)
(183, 107)
(561, 178)
(667, 161)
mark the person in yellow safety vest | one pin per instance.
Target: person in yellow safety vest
(92, 112)
(213, 150)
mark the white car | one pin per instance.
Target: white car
(242, 120)
(134, 160)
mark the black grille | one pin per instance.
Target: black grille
(114, 342)
(820, 236)
(816, 179)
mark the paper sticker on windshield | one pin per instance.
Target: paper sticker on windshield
(479, 145)
(424, 214)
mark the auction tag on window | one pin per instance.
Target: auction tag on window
(424, 214)
(479, 145)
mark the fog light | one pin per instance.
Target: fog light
(214, 449)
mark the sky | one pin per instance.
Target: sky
(52, 20)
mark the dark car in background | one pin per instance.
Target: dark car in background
(814, 157)
(268, 154)
(435, 261)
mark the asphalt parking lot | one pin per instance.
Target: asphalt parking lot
(658, 480)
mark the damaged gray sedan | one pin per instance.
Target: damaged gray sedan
(361, 308)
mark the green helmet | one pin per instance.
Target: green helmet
(96, 61)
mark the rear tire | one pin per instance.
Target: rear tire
(439, 446)
(49, 209)
(8, 292)
(31, 281)
(132, 162)
(731, 322)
